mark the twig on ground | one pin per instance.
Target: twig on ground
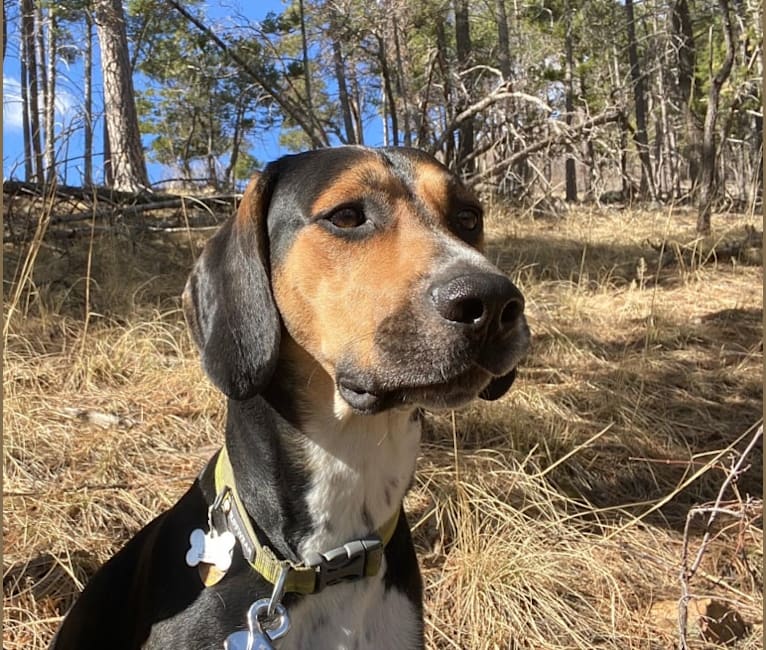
(738, 467)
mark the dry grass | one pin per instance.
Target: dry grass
(551, 519)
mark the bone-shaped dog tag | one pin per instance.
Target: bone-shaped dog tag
(210, 548)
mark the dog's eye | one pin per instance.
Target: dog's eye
(347, 217)
(467, 219)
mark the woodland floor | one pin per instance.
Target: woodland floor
(554, 518)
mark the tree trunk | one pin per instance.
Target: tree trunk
(508, 107)
(306, 61)
(570, 169)
(683, 36)
(449, 107)
(641, 136)
(401, 85)
(357, 106)
(503, 40)
(589, 154)
(589, 150)
(40, 52)
(708, 185)
(50, 96)
(627, 183)
(388, 91)
(28, 30)
(88, 100)
(212, 172)
(756, 155)
(343, 99)
(667, 171)
(108, 168)
(186, 171)
(127, 158)
(340, 78)
(464, 52)
(25, 108)
(236, 141)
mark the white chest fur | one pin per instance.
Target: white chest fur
(361, 467)
(354, 616)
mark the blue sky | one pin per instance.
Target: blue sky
(70, 97)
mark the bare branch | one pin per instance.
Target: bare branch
(738, 467)
(562, 135)
(495, 96)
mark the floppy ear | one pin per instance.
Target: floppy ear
(228, 304)
(498, 387)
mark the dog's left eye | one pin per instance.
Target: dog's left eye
(347, 217)
(468, 220)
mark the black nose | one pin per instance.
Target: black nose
(479, 301)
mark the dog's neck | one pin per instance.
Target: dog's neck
(314, 476)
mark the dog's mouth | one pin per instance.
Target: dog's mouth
(358, 398)
(365, 398)
(427, 377)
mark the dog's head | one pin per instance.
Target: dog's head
(369, 260)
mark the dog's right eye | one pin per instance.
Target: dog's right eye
(346, 218)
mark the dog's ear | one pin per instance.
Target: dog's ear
(498, 387)
(228, 302)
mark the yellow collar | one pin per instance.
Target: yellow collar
(357, 559)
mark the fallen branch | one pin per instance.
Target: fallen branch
(222, 200)
(41, 190)
(127, 202)
(204, 212)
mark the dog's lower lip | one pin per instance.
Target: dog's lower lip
(357, 397)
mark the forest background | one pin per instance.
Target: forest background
(592, 100)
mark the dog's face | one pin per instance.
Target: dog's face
(370, 261)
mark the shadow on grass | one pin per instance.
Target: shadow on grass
(591, 264)
(668, 407)
(540, 258)
(46, 577)
(117, 276)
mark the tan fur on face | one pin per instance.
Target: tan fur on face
(439, 190)
(365, 178)
(333, 293)
(431, 186)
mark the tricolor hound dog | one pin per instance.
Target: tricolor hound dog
(347, 293)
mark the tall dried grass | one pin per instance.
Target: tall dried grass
(553, 518)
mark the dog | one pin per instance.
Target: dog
(346, 294)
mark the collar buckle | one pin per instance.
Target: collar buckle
(352, 561)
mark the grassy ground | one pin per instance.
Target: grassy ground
(554, 518)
